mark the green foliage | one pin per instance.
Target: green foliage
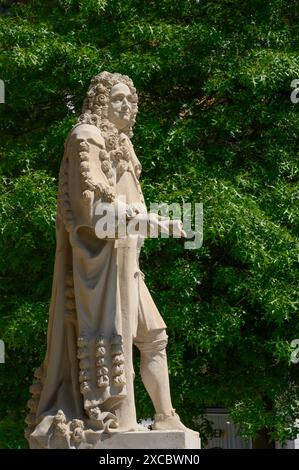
(215, 125)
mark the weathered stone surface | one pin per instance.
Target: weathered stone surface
(151, 440)
(100, 304)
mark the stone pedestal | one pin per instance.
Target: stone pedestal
(146, 440)
(45, 436)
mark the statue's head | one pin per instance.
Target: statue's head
(112, 97)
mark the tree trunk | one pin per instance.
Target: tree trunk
(262, 441)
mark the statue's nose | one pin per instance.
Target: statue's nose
(125, 103)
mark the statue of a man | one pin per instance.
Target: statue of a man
(100, 304)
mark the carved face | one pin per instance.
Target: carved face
(120, 105)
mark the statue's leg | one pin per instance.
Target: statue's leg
(154, 370)
(155, 377)
(151, 340)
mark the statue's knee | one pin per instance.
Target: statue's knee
(154, 342)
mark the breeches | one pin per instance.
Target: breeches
(151, 341)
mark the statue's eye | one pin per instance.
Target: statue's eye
(117, 98)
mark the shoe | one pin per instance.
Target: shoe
(171, 422)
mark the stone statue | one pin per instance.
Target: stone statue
(100, 305)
